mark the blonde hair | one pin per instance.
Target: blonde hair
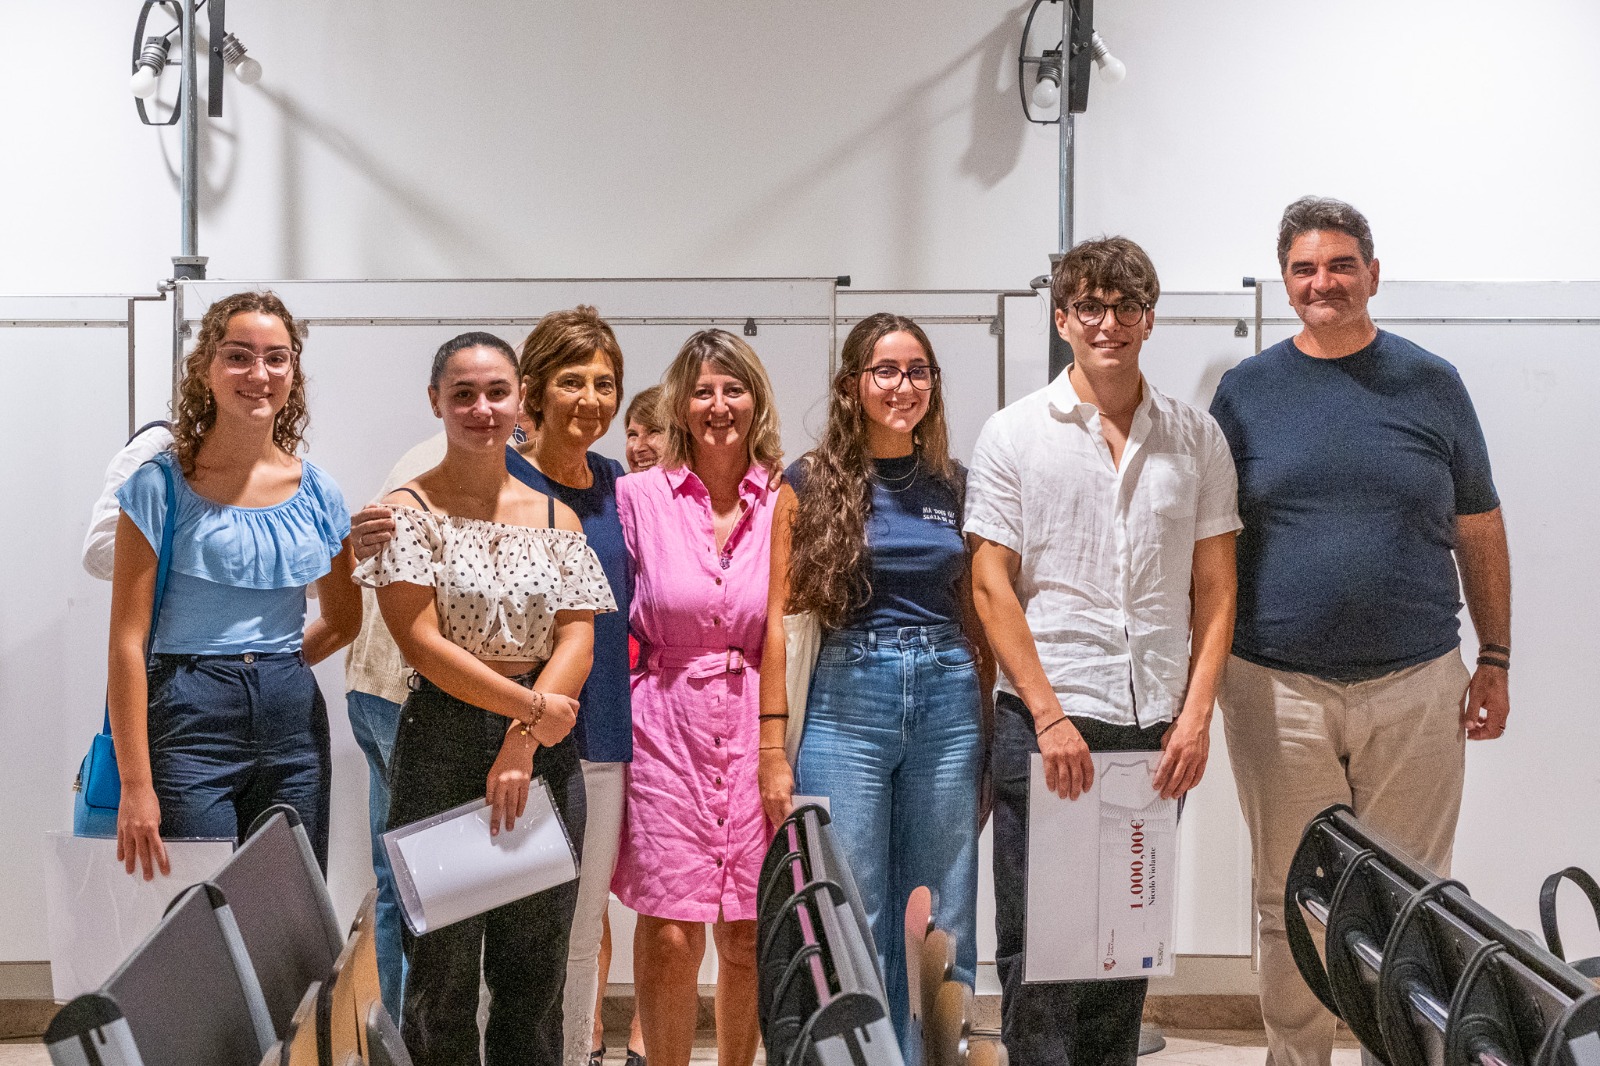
(731, 356)
(195, 409)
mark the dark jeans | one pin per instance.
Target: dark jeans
(1068, 1023)
(231, 735)
(442, 754)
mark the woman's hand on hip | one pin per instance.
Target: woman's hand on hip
(509, 777)
(560, 715)
(139, 843)
(777, 785)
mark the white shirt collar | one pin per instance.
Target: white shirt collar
(1065, 401)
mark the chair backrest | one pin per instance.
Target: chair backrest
(186, 994)
(919, 923)
(338, 1029)
(384, 1046)
(938, 962)
(283, 909)
(987, 1052)
(949, 1025)
(364, 963)
(301, 1036)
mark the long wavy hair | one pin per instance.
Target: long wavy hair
(731, 356)
(828, 564)
(195, 409)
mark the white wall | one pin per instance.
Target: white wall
(879, 139)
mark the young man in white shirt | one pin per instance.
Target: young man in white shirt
(1101, 515)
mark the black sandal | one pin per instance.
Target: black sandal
(597, 1056)
(634, 1058)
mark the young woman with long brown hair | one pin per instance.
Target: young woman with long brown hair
(867, 536)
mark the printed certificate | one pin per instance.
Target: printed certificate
(1102, 875)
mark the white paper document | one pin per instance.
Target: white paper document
(96, 913)
(1102, 874)
(448, 867)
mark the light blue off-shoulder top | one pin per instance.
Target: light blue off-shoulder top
(238, 575)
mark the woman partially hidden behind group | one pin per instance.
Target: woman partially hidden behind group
(490, 590)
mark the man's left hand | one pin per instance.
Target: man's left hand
(1185, 747)
(1488, 704)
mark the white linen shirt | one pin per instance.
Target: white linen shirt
(1107, 552)
(100, 543)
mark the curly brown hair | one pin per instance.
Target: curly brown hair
(828, 564)
(194, 409)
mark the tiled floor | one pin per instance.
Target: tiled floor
(1197, 1047)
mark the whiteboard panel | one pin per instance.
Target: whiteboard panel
(67, 413)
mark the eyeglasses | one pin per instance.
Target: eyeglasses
(888, 376)
(240, 360)
(1092, 312)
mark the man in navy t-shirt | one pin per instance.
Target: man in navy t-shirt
(1364, 484)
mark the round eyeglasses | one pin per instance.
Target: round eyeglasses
(888, 376)
(1126, 312)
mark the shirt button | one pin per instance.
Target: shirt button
(721, 820)
(718, 580)
(717, 741)
(718, 782)
(716, 621)
(719, 864)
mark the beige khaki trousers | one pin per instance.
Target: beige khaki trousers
(1392, 748)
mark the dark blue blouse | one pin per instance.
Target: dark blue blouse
(605, 717)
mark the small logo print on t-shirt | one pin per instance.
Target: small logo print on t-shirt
(939, 515)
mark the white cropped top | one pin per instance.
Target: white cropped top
(497, 587)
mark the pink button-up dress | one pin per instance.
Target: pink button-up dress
(694, 834)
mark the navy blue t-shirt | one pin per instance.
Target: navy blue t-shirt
(605, 708)
(1351, 474)
(914, 545)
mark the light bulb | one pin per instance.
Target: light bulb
(143, 82)
(248, 70)
(1111, 68)
(1046, 94)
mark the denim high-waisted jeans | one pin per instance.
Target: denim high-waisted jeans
(231, 735)
(893, 739)
(442, 754)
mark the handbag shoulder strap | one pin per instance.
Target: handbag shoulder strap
(163, 566)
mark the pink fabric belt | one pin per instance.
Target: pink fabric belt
(697, 662)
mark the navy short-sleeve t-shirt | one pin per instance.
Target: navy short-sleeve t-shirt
(605, 715)
(1351, 474)
(916, 553)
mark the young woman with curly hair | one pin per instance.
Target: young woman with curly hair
(867, 536)
(224, 718)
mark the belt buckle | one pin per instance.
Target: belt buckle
(735, 660)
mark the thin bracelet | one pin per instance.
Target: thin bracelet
(536, 710)
(1049, 727)
(1494, 660)
(775, 717)
(1498, 649)
(771, 747)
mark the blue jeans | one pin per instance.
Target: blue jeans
(231, 735)
(373, 720)
(1064, 1023)
(893, 739)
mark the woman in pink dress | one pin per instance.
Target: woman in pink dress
(698, 529)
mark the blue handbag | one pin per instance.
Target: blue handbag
(98, 789)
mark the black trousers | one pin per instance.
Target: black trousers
(1068, 1023)
(442, 754)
